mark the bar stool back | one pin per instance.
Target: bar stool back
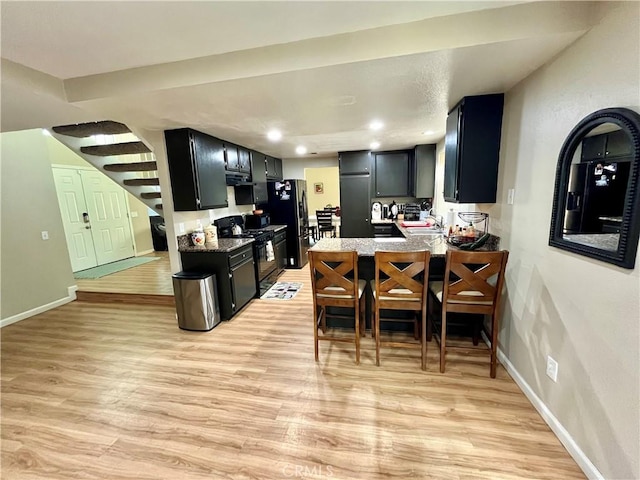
(335, 283)
(400, 285)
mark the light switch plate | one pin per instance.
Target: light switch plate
(134, 214)
(552, 369)
(181, 227)
(45, 235)
(510, 194)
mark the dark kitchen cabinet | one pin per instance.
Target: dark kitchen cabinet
(472, 149)
(393, 174)
(231, 157)
(280, 250)
(255, 192)
(244, 160)
(605, 146)
(235, 273)
(355, 162)
(196, 167)
(355, 206)
(425, 165)
(274, 168)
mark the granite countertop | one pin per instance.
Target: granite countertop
(274, 228)
(366, 247)
(223, 245)
(606, 241)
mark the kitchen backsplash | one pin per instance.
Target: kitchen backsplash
(190, 219)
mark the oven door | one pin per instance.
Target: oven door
(265, 264)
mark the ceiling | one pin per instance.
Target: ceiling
(317, 71)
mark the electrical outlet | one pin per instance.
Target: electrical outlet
(45, 235)
(181, 227)
(510, 194)
(552, 369)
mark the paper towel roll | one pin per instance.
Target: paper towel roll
(451, 217)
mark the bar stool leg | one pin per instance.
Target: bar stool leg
(494, 345)
(443, 339)
(357, 325)
(315, 332)
(423, 339)
(376, 319)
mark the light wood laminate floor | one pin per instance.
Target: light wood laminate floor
(104, 391)
(152, 278)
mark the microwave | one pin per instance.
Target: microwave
(256, 222)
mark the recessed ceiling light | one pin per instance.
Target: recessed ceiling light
(301, 149)
(376, 125)
(274, 135)
(374, 145)
(428, 132)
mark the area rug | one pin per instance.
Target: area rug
(282, 291)
(109, 268)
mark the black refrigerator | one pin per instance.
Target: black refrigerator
(597, 191)
(288, 206)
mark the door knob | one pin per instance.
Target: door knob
(88, 227)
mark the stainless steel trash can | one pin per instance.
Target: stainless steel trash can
(196, 300)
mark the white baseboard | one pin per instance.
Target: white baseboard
(550, 419)
(41, 309)
(146, 252)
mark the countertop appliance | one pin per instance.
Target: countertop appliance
(257, 221)
(288, 206)
(376, 211)
(412, 211)
(265, 263)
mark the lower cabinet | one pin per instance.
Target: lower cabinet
(235, 273)
(280, 250)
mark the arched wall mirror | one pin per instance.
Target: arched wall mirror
(596, 204)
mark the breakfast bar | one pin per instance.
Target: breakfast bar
(435, 243)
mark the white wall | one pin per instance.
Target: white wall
(294, 167)
(34, 273)
(582, 312)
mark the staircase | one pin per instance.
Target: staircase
(113, 149)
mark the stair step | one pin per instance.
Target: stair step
(138, 182)
(148, 195)
(126, 148)
(83, 130)
(131, 167)
(159, 206)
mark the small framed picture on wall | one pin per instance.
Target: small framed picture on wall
(318, 187)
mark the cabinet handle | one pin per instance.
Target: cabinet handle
(230, 276)
(233, 306)
(366, 219)
(198, 201)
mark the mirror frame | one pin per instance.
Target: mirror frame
(625, 255)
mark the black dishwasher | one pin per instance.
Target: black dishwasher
(280, 250)
(242, 274)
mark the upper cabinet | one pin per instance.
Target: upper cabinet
(197, 170)
(393, 174)
(274, 168)
(244, 160)
(472, 149)
(255, 192)
(606, 145)
(425, 164)
(355, 162)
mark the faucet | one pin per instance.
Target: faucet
(439, 222)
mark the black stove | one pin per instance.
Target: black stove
(266, 269)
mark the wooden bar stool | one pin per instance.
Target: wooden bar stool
(334, 285)
(472, 284)
(400, 285)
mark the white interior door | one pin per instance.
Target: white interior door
(76, 229)
(107, 207)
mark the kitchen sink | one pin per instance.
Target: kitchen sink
(424, 231)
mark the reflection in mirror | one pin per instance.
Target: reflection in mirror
(596, 203)
(598, 182)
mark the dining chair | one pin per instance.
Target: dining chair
(472, 283)
(325, 223)
(400, 284)
(335, 283)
